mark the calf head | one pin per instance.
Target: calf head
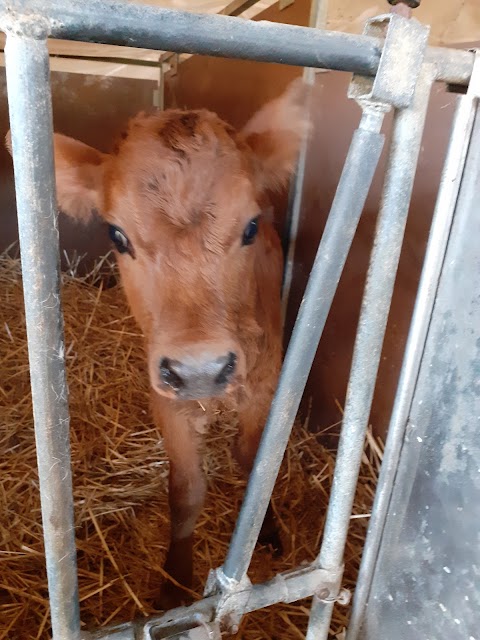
(183, 197)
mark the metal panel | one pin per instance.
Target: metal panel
(437, 243)
(426, 584)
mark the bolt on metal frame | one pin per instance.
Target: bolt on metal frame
(28, 24)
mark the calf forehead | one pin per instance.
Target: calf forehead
(180, 171)
(180, 142)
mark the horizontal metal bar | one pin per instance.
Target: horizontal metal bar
(31, 126)
(148, 27)
(434, 257)
(449, 66)
(402, 162)
(289, 586)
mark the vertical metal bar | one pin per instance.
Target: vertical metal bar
(352, 190)
(318, 19)
(27, 69)
(434, 256)
(293, 211)
(405, 147)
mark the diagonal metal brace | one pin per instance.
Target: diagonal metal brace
(234, 597)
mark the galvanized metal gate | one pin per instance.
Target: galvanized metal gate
(420, 572)
(393, 69)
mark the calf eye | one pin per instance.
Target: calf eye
(250, 232)
(120, 240)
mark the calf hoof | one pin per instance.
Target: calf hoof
(171, 597)
(272, 539)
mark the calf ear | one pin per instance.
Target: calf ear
(78, 173)
(274, 134)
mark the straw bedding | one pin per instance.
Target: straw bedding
(120, 479)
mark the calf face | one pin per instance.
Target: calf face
(183, 195)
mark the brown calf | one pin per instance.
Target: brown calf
(184, 197)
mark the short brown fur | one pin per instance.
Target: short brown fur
(183, 186)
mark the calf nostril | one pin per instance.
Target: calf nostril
(227, 371)
(169, 376)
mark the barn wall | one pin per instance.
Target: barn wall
(335, 119)
(92, 109)
(234, 89)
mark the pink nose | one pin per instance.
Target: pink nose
(198, 378)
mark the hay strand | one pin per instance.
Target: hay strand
(120, 475)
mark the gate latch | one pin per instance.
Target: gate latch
(404, 46)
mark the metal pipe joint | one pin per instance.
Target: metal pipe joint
(234, 596)
(35, 27)
(405, 44)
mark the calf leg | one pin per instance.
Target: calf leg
(187, 488)
(252, 421)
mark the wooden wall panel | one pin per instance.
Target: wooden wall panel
(92, 109)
